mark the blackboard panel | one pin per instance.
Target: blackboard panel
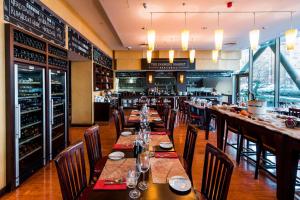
(101, 58)
(34, 17)
(79, 44)
(180, 64)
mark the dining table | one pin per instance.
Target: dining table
(273, 132)
(153, 116)
(163, 165)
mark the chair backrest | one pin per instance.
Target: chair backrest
(122, 116)
(70, 168)
(189, 147)
(172, 124)
(217, 173)
(294, 112)
(93, 145)
(117, 123)
(166, 115)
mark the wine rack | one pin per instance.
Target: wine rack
(103, 78)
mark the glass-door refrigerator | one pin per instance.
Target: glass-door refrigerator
(58, 112)
(30, 152)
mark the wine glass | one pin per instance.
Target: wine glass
(143, 164)
(131, 182)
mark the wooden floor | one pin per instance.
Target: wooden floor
(44, 184)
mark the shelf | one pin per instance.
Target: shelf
(56, 83)
(60, 67)
(30, 62)
(61, 114)
(59, 104)
(32, 124)
(30, 111)
(30, 97)
(30, 153)
(58, 57)
(57, 94)
(29, 47)
(59, 125)
(30, 139)
(29, 83)
(58, 136)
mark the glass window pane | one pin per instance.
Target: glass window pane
(244, 59)
(289, 92)
(263, 75)
(243, 86)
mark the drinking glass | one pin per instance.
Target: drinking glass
(131, 182)
(143, 164)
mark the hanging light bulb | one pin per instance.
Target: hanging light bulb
(151, 39)
(254, 36)
(215, 54)
(290, 36)
(171, 56)
(185, 39)
(149, 56)
(192, 55)
(219, 36)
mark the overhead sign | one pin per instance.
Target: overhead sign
(179, 64)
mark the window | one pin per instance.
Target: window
(245, 54)
(243, 89)
(263, 73)
(289, 93)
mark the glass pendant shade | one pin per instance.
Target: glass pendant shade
(254, 39)
(185, 39)
(171, 56)
(192, 55)
(219, 39)
(290, 39)
(215, 55)
(149, 56)
(151, 39)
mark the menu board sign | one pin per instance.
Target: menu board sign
(34, 17)
(79, 44)
(101, 58)
(179, 64)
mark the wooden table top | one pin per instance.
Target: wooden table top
(152, 117)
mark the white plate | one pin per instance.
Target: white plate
(166, 145)
(126, 133)
(117, 155)
(180, 183)
(157, 119)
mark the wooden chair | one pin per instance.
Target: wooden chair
(93, 146)
(217, 173)
(117, 123)
(189, 148)
(193, 117)
(294, 112)
(165, 118)
(70, 168)
(172, 122)
(124, 123)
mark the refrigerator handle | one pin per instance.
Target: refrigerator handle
(18, 120)
(52, 111)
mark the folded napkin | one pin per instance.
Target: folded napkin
(158, 133)
(123, 146)
(101, 185)
(165, 155)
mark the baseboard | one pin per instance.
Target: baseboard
(81, 125)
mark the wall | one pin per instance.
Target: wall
(131, 60)
(2, 102)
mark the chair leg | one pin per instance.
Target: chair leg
(258, 157)
(239, 149)
(225, 141)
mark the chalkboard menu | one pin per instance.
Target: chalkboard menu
(79, 44)
(180, 64)
(34, 17)
(101, 58)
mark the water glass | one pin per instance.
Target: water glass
(143, 164)
(131, 182)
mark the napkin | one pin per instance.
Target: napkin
(158, 133)
(123, 146)
(100, 185)
(166, 155)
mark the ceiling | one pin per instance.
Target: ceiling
(123, 23)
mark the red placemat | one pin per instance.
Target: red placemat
(100, 185)
(123, 146)
(158, 133)
(166, 155)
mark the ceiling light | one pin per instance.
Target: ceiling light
(171, 56)
(219, 36)
(192, 55)
(290, 36)
(215, 54)
(185, 39)
(254, 36)
(151, 39)
(149, 56)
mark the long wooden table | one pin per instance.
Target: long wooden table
(284, 141)
(155, 191)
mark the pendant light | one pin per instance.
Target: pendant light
(185, 36)
(215, 55)
(219, 35)
(171, 56)
(151, 37)
(149, 56)
(290, 36)
(254, 36)
(192, 55)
